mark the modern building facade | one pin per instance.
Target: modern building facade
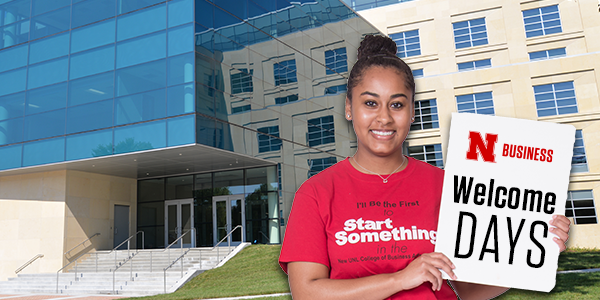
(162, 116)
(536, 60)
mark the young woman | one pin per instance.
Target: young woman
(365, 228)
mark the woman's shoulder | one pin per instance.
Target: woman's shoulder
(423, 169)
(326, 177)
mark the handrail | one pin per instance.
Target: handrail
(28, 263)
(228, 242)
(127, 240)
(179, 238)
(65, 254)
(173, 263)
(73, 261)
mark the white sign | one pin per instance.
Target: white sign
(504, 179)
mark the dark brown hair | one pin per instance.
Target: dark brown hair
(377, 50)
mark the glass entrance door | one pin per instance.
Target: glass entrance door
(179, 219)
(228, 212)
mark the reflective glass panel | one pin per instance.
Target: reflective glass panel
(204, 13)
(48, 48)
(92, 62)
(140, 137)
(181, 69)
(180, 99)
(221, 219)
(231, 182)
(12, 106)
(13, 58)
(11, 131)
(13, 81)
(141, 78)
(93, 36)
(140, 107)
(90, 116)
(152, 190)
(50, 23)
(17, 33)
(87, 145)
(48, 73)
(14, 11)
(142, 22)
(47, 98)
(91, 89)
(179, 187)
(44, 125)
(180, 131)
(124, 6)
(141, 50)
(11, 157)
(42, 6)
(180, 12)
(91, 11)
(181, 40)
(44, 152)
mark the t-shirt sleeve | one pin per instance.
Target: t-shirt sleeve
(305, 236)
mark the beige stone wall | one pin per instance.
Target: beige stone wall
(512, 76)
(50, 212)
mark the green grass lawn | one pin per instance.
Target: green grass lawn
(255, 271)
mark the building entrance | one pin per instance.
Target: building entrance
(179, 219)
(228, 212)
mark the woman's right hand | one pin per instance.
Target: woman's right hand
(425, 269)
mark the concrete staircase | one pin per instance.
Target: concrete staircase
(138, 273)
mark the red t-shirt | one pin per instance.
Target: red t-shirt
(357, 226)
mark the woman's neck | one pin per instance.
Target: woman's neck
(378, 164)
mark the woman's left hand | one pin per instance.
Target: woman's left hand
(560, 227)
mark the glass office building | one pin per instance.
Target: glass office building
(171, 115)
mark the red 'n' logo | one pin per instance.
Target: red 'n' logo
(485, 148)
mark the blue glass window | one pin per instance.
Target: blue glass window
(141, 137)
(475, 65)
(417, 73)
(51, 23)
(42, 6)
(91, 11)
(141, 78)
(181, 40)
(180, 12)
(44, 152)
(93, 36)
(14, 11)
(13, 81)
(180, 99)
(47, 98)
(11, 131)
(92, 62)
(478, 103)
(46, 73)
(181, 131)
(579, 160)
(11, 157)
(470, 33)
(580, 206)
(336, 61)
(90, 116)
(426, 115)
(44, 125)
(320, 131)
(431, 154)
(49, 48)
(332, 90)
(239, 109)
(542, 21)
(408, 43)
(181, 69)
(93, 144)
(19, 33)
(555, 99)
(140, 50)
(241, 81)
(270, 142)
(140, 107)
(12, 106)
(91, 89)
(547, 54)
(13, 58)
(205, 14)
(286, 99)
(142, 22)
(285, 72)
(319, 164)
(124, 6)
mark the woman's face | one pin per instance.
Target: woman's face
(381, 111)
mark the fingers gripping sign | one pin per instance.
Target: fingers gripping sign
(426, 268)
(560, 227)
